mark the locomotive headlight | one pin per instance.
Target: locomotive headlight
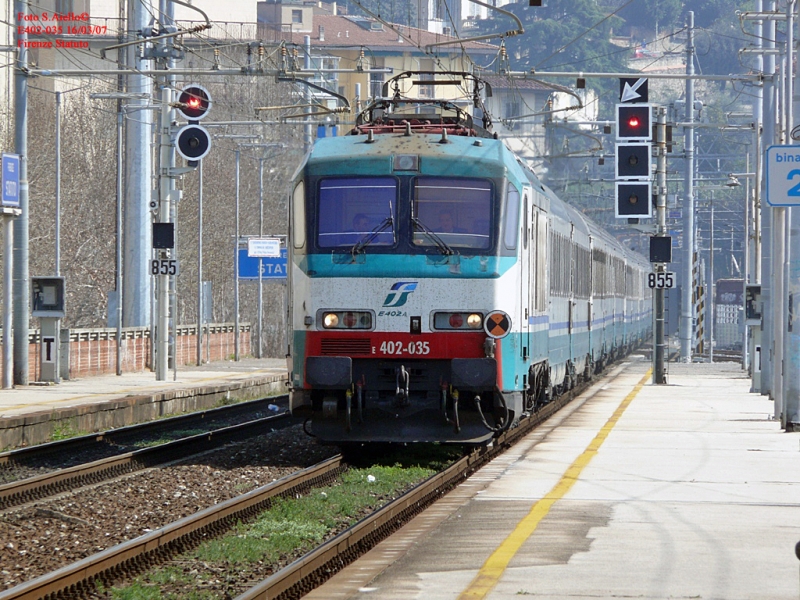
(345, 319)
(459, 321)
(475, 321)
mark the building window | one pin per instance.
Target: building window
(297, 16)
(64, 7)
(376, 79)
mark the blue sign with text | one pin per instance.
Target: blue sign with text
(271, 268)
(11, 180)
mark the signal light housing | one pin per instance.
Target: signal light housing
(194, 102)
(633, 161)
(633, 199)
(634, 122)
(193, 142)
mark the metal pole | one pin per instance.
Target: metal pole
(659, 373)
(200, 307)
(756, 268)
(260, 349)
(166, 185)
(788, 394)
(21, 240)
(779, 240)
(790, 418)
(687, 307)
(745, 262)
(236, 266)
(768, 119)
(710, 298)
(58, 185)
(307, 66)
(8, 302)
(172, 201)
(120, 168)
(137, 286)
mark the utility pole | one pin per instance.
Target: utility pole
(200, 306)
(167, 193)
(659, 373)
(790, 417)
(21, 224)
(687, 306)
(137, 284)
(767, 272)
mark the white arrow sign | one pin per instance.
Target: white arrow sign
(629, 91)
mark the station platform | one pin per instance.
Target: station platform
(32, 414)
(684, 490)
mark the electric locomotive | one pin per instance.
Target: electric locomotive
(438, 291)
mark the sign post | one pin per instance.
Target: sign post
(10, 208)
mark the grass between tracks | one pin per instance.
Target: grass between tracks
(286, 531)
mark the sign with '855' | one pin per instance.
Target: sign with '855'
(164, 266)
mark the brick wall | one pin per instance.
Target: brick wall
(94, 351)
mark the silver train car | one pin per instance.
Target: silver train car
(438, 291)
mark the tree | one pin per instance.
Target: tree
(655, 15)
(558, 38)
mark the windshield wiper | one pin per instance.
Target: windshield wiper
(371, 236)
(440, 243)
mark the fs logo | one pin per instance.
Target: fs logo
(399, 294)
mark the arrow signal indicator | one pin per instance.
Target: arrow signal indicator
(633, 90)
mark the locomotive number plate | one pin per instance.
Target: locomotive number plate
(410, 348)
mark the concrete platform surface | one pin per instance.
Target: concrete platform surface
(30, 414)
(686, 490)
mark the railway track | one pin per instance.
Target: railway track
(21, 492)
(95, 446)
(138, 555)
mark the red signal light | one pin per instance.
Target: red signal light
(634, 122)
(194, 103)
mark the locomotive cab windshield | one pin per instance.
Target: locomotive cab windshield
(410, 214)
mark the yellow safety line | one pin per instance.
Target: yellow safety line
(496, 564)
(116, 394)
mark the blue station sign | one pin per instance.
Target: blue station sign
(271, 267)
(11, 180)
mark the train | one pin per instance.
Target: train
(438, 291)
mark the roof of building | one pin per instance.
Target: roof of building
(503, 82)
(350, 30)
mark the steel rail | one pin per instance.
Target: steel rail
(319, 565)
(26, 490)
(79, 578)
(27, 453)
(135, 556)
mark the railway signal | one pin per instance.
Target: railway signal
(192, 141)
(634, 122)
(194, 103)
(633, 161)
(633, 200)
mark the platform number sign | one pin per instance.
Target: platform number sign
(783, 175)
(661, 280)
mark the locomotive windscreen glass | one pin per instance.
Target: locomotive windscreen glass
(457, 211)
(355, 209)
